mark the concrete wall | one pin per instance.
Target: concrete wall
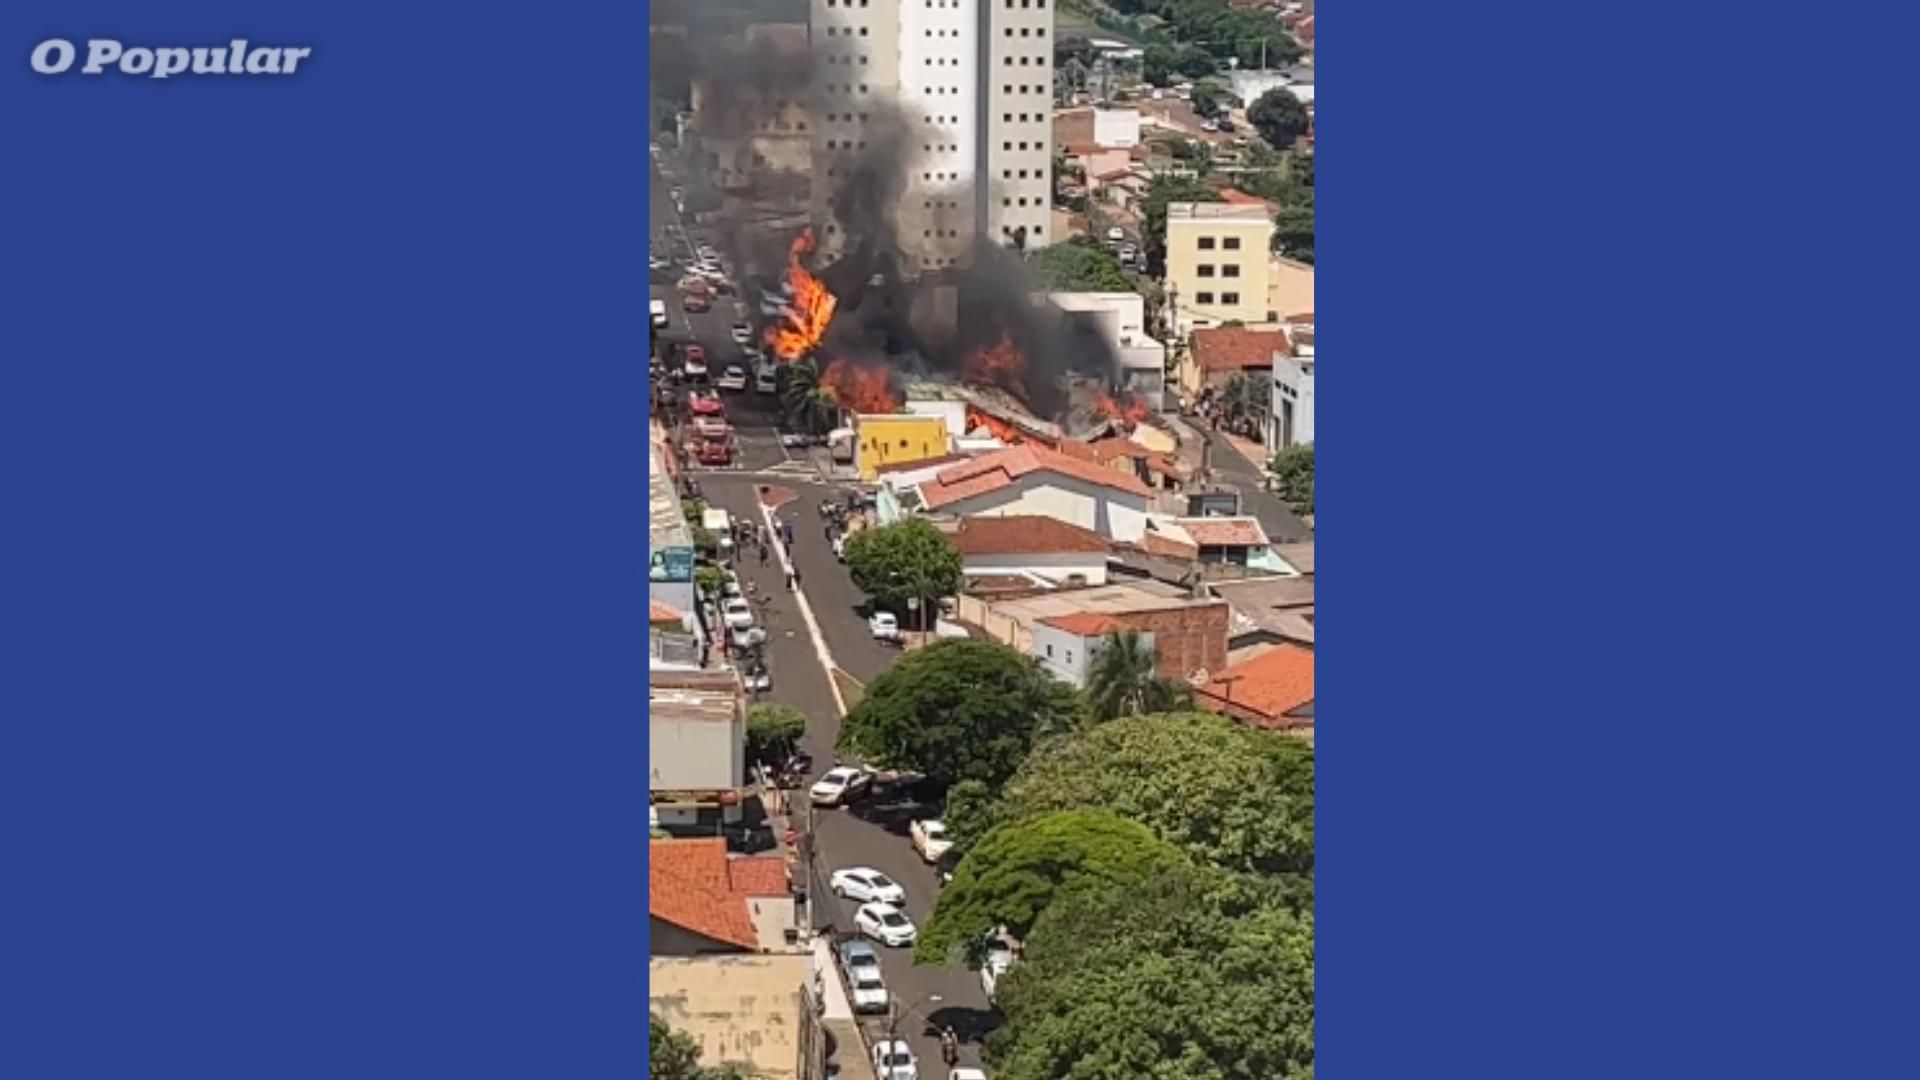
(1063, 654)
(696, 754)
(1293, 379)
(1116, 127)
(772, 917)
(1016, 84)
(1054, 567)
(1115, 515)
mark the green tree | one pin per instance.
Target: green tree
(1011, 876)
(1279, 117)
(709, 580)
(1124, 679)
(1209, 100)
(1194, 62)
(773, 730)
(1073, 267)
(908, 560)
(809, 406)
(1292, 470)
(1293, 232)
(1157, 65)
(1175, 984)
(1245, 397)
(1160, 194)
(671, 1055)
(1228, 795)
(959, 710)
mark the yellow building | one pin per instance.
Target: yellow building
(1218, 263)
(897, 439)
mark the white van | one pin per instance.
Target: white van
(657, 314)
(720, 524)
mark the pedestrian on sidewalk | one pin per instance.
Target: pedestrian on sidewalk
(791, 576)
(788, 528)
(763, 553)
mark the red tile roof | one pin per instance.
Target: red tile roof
(1263, 690)
(1237, 348)
(1224, 531)
(1083, 623)
(696, 886)
(1241, 198)
(991, 472)
(1020, 534)
(659, 612)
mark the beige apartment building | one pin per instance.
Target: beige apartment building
(1218, 264)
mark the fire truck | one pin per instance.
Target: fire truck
(710, 440)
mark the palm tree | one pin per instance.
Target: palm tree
(1123, 680)
(810, 407)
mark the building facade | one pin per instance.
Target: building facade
(962, 91)
(1290, 423)
(1218, 263)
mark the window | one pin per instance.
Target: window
(1230, 298)
(1049, 647)
(1203, 298)
(1206, 269)
(1230, 270)
(1232, 243)
(1206, 243)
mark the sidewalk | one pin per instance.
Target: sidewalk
(836, 1016)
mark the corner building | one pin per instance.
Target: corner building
(973, 82)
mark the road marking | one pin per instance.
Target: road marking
(806, 612)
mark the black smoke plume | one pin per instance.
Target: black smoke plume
(890, 312)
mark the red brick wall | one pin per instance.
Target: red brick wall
(1186, 639)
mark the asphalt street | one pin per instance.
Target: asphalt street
(875, 835)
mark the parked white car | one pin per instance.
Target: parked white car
(840, 785)
(883, 626)
(965, 1073)
(893, 1060)
(930, 839)
(734, 378)
(885, 924)
(862, 966)
(865, 883)
(737, 613)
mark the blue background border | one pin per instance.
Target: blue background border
(320, 454)
(322, 412)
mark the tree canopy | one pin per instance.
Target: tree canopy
(672, 1055)
(1229, 796)
(1279, 117)
(1293, 473)
(773, 730)
(1017, 871)
(1175, 985)
(1077, 267)
(908, 560)
(959, 710)
(1123, 679)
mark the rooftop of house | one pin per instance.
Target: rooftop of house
(1265, 690)
(1224, 531)
(1003, 468)
(1217, 213)
(1299, 556)
(746, 1009)
(658, 612)
(1237, 348)
(1281, 607)
(697, 886)
(1021, 534)
(1131, 598)
(709, 695)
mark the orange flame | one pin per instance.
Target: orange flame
(999, 365)
(866, 390)
(806, 320)
(1129, 409)
(996, 427)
